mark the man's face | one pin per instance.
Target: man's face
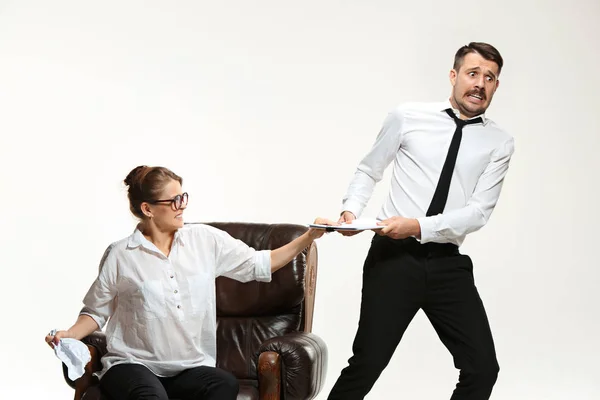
(474, 85)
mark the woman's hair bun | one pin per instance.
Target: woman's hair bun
(136, 176)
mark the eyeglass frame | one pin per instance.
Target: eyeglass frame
(184, 196)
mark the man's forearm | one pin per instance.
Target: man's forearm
(452, 224)
(359, 192)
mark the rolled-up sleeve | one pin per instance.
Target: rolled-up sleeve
(98, 302)
(237, 260)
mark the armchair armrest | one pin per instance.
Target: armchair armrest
(96, 343)
(295, 364)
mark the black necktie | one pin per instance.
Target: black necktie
(441, 191)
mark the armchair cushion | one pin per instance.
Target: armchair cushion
(248, 392)
(239, 340)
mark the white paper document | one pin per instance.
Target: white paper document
(356, 225)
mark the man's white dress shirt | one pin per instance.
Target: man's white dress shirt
(416, 138)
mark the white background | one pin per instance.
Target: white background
(265, 109)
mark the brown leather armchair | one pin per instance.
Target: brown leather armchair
(263, 329)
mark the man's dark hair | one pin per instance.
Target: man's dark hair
(486, 51)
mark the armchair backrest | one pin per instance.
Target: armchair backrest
(250, 313)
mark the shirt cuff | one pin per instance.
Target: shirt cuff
(428, 232)
(262, 266)
(353, 206)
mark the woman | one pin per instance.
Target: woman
(156, 290)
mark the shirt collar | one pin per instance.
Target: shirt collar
(447, 104)
(137, 239)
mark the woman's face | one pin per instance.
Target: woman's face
(167, 210)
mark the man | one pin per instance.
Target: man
(449, 165)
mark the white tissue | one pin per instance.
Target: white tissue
(75, 354)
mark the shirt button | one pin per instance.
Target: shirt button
(178, 306)
(175, 291)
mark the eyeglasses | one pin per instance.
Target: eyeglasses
(177, 202)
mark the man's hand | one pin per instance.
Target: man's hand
(400, 228)
(346, 218)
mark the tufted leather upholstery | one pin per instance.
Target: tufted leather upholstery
(263, 329)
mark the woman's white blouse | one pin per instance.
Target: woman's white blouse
(161, 311)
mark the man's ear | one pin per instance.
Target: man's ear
(453, 74)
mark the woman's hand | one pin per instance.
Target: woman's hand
(53, 338)
(284, 254)
(315, 233)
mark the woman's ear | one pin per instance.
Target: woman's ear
(146, 210)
